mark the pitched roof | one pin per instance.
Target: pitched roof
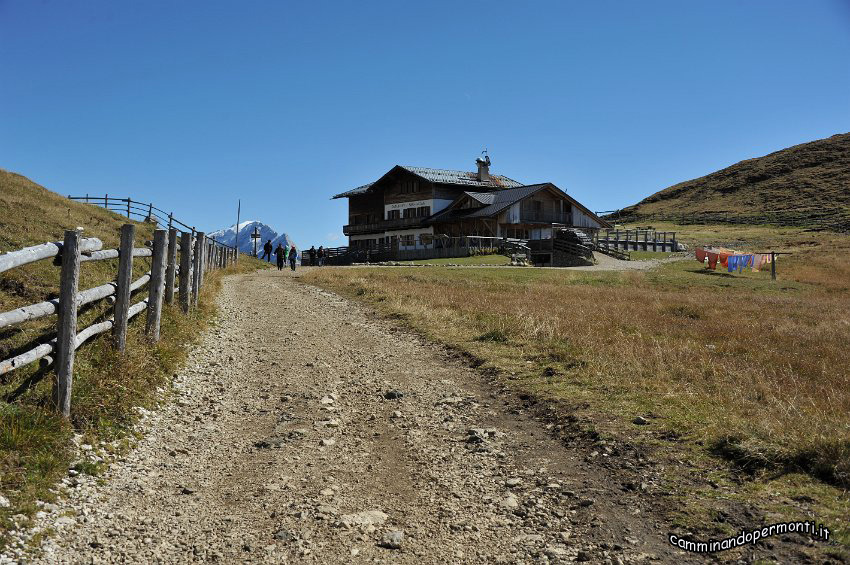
(443, 176)
(494, 202)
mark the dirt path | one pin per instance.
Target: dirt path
(304, 430)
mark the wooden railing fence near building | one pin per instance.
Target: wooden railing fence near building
(144, 211)
(198, 255)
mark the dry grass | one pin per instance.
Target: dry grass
(794, 186)
(34, 443)
(739, 365)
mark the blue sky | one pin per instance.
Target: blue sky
(192, 105)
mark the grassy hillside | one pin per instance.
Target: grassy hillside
(35, 444)
(807, 184)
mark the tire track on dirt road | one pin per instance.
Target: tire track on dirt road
(305, 430)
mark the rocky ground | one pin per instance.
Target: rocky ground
(305, 430)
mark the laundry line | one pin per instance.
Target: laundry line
(736, 261)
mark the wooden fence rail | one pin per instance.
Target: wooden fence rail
(196, 257)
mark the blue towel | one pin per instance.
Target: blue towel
(732, 261)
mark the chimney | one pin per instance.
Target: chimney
(483, 168)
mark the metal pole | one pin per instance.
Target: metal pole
(238, 213)
(773, 265)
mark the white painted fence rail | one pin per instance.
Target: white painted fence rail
(74, 250)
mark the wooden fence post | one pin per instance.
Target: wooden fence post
(66, 334)
(128, 208)
(171, 268)
(157, 284)
(773, 265)
(122, 290)
(185, 270)
(197, 272)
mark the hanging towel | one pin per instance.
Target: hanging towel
(712, 260)
(744, 261)
(732, 261)
(759, 260)
(724, 257)
(700, 253)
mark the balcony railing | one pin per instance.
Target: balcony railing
(530, 217)
(384, 225)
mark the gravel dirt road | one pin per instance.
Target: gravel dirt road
(305, 430)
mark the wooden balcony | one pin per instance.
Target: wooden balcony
(384, 225)
(531, 217)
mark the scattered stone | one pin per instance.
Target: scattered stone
(187, 490)
(327, 442)
(640, 421)
(365, 518)
(510, 501)
(393, 394)
(583, 556)
(4, 502)
(392, 539)
(514, 481)
(451, 400)
(327, 400)
(585, 502)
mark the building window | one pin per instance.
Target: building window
(408, 240)
(409, 186)
(393, 214)
(409, 212)
(423, 211)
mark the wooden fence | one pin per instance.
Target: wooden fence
(144, 211)
(198, 255)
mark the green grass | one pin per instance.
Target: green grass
(473, 260)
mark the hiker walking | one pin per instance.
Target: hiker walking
(321, 255)
(267, 251)
(293, 255)
(312, 255)
(280, 253)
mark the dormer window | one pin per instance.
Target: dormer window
(409, 186)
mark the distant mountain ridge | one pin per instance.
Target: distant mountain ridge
(807, 184)
(246, 244)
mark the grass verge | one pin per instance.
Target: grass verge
(472, 260)
(35, 445)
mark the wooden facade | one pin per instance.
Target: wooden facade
(408, 206)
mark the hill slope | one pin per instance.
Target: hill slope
(807, 184)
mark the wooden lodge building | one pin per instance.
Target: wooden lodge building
(414, 208)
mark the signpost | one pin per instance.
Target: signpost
(255, 236)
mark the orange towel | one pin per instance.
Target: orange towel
(724, 259)
(700, 253)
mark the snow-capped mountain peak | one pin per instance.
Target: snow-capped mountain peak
(246, 244)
